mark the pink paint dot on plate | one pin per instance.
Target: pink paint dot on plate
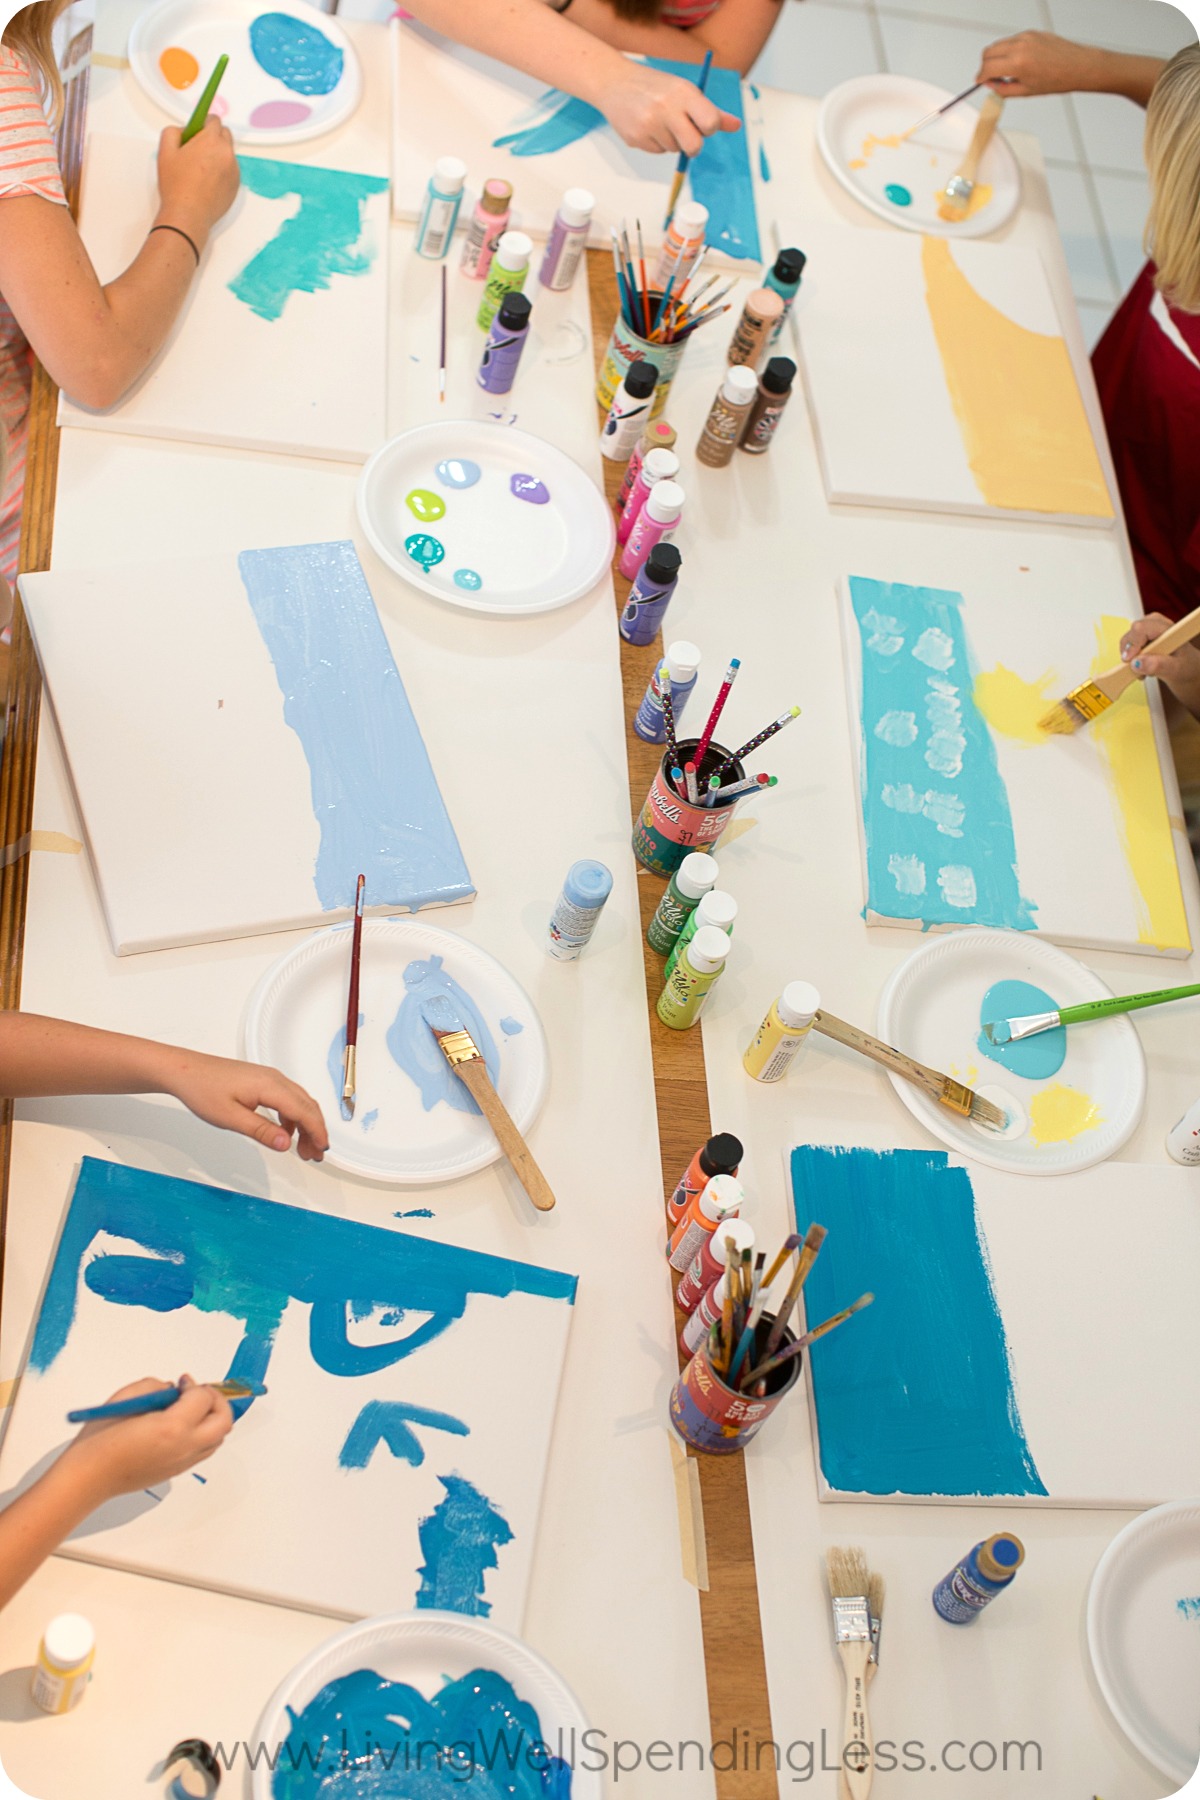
(220, 107)
(273, 113)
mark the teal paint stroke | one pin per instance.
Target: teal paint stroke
(299, 55)
(936, 816)
(916, 1395)
(764, 165)
(374, 792)
(1036, 1058)
(459, 1541)
(365, 1738)
(323, 237)
(1189, 1608)
(391, 1422)
(415, 1049)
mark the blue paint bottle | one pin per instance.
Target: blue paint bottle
(439, 215)
(505, 341)
(973, 1583)
(573, 920)
(683, 663)
(650, 595)
(784, 276)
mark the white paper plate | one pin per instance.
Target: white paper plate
(882, 106)
(930, 1009)
(527, 558)
(425, 1650)
(209, 28)
(295, 1020)
(1145, 1652)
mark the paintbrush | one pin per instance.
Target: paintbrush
(442, 360)
(765, 1368)
(681, 167)
(1011, 1031)
(938, 112)
(755, 1304)
(789, 1244)
(942, 1088)
(1091, 698)
(814, 1237)
(158, 1400)
(200, 114)
(955, 201)
(466, 1061)
(350, 1053)
(849, 1578)
(645, 283)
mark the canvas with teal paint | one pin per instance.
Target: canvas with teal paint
(396, 1459)
(294, 281)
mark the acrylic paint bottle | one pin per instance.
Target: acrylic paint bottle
(1183, 1139)
(683, 667)
(716, 908)
(718, 1199)
(510, 265)
(721, 1155)
(693, 979)
(730, 410)
(711, 1260)
(659, 436)
(506, 339)
(774, 392)
(659, 465)
(696, 874)
(64, 1663)
(984, 1572)
(704, 1315)
(783, 1033)
(577, 909)
(649, 597)
(656, 522)
(629, 412)
(684, 242)
(784, 276)
(762, 312)
(568, 240)
(490, 219)
(439, 215)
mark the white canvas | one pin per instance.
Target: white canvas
(310, 381)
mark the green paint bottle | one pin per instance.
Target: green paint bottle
(693, 979)
(693, 878)
(716, 908)
(510, 265)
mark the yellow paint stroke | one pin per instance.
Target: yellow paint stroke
(1125, 737)
(1057, 1114)
(871, 144)
(1012, 706)
(1014, 393)
(8, 1391)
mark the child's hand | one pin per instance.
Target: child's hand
(119, 1456)
(1036, 62)
(198, 181)
(1180, 671)
(653, 111)
(228, 1094)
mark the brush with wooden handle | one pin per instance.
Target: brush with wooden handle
(955, 202)
(1091, 698)
(942, 1088)
(466, 1061)
(849, 1583)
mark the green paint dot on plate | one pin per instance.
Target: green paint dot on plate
(425, 506)
(424, 549)
(898, 195)
(467, 578)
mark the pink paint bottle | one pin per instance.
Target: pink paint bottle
(711, 1260)
(659, 436)
(488, 224)
(655, 524)
(722, 1196)
(657, 465)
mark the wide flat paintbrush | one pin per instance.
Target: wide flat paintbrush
(955, 201)
(942, 1088)
(849, 1581)
(1091, 698)
(466, 1061)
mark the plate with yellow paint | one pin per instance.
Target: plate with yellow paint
(1072, 1097)
(859, 131)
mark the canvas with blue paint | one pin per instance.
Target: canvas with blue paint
(397, 1456)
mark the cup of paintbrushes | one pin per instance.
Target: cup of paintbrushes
(627, 346)
(668, 827)
(712, 1416)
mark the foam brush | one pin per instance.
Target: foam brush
(466, 1061)
(849, 1579)
(1011, 1031)
(954, 1095)
(1091, 698)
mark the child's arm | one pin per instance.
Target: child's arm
(1038, 62)
(1180, 671)
(735, 33)
(117, 1457)
(50, 1056)
(95, 341)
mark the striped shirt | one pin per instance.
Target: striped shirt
(28, 165)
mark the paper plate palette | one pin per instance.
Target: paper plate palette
(405, 1129)
(486, 517)
(1143, 1628)
(292, 70)
(903, 182)
(1066, 1118)
(430, 1651)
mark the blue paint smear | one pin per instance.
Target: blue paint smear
(764, 166)
(297, 54)
(915, 1395)
(391, 1422)
(1189, 1609)
(161, 1286)
(202, 1479)
(415, 1049)
(322, 238)
(365, 1738)
(1036, 1058)
(511, 1027)
(370, 1119)
(374, 792)
(937, 820)
(459, 1541)
(457, 472)
(416, 1212)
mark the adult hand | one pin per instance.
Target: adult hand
(121, 1456)
(653, 111)
(197, 181)
(228, 1094)
(1179, 671)
(1036, 62)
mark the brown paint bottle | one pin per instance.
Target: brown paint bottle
(760, 315)
(730, 410)
(774, 392)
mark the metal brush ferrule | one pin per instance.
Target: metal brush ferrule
(349, 1071)
(459, 1047)
(1088, 700)
(876, 1629)
(852, 1620)
(957, 1097)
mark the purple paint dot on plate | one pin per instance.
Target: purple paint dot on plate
(528, 487)
(458, 472)
(274, 113)
(467, 578)
(424, 549)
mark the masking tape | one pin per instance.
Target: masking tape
(57, 843)
(100, 60)
(693, 1544)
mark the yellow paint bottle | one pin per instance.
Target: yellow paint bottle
(783, 1033)
(64, 1663)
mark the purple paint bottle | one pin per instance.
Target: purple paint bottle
(650, 595)
(567, 240)
(505, 342)
(657, 465)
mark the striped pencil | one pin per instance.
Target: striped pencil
(768, 731)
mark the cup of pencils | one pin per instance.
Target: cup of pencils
(642, 343)
(718, 1418)
(671, 823)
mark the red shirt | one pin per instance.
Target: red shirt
(1147, 368)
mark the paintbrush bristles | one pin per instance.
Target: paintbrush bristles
(846, 1572)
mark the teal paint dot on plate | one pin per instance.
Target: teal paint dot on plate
(467, 578)
(458, 472)
(424, 505)
(898, 194)
(424, 549)
(1036, 1058)
(528, 487)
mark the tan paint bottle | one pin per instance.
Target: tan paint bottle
(730, 410)
(761, 314)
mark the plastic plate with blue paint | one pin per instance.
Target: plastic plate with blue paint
(487, 517)
(455, 1681)
(414, 1122)
(292, 73)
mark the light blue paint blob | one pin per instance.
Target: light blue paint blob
(374, 793)
(928, 1364)
(511, 1027)
(917, 720)
(391, 1422)
(415, 1049)
(469, 579)
(370, 1119)
(898, 194)
(324, 237)
(416, 1212)
(426, 550)
(459, 1541)
(297, 54)
(1036, 1058)
(1189, 1609)
(333, 1062)
(458, 472)
(764, 166)
(528, 487)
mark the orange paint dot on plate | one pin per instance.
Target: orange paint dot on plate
(179, 66)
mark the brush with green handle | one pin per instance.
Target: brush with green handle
(1011, 1031)
(196, 122)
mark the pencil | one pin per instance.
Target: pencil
(718, 707)
(664, 694)
(681, 167)
(442, 364)
(350, 1053)
(196, 122)
(768, 731)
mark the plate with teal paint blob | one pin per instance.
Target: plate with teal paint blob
(858, 131)
(486, 517)
(1073, 1097)
(414, 1121)
(506, 1720)
(292, 75)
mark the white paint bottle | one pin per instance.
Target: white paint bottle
(64, 1663)
(1183, 1139)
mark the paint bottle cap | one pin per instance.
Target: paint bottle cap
(659, 465)
(449, 173)
(68, 1640)
(779, 374)
(496, 196)
(659, 436)
(740, 385)
(742, 1233)
(789, 265)
(690, 220)
(663, 562)
(724, 1194)
(578, 205)
(641, 378)
(722, 1155)
(588, 883)
(765, 303)
(696, 874)
(798, 1004)
(513, 251)
(1001, 1556)
(717, 908)
(514, 311)
(707, 951)
(682, 658)
(664, 502)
